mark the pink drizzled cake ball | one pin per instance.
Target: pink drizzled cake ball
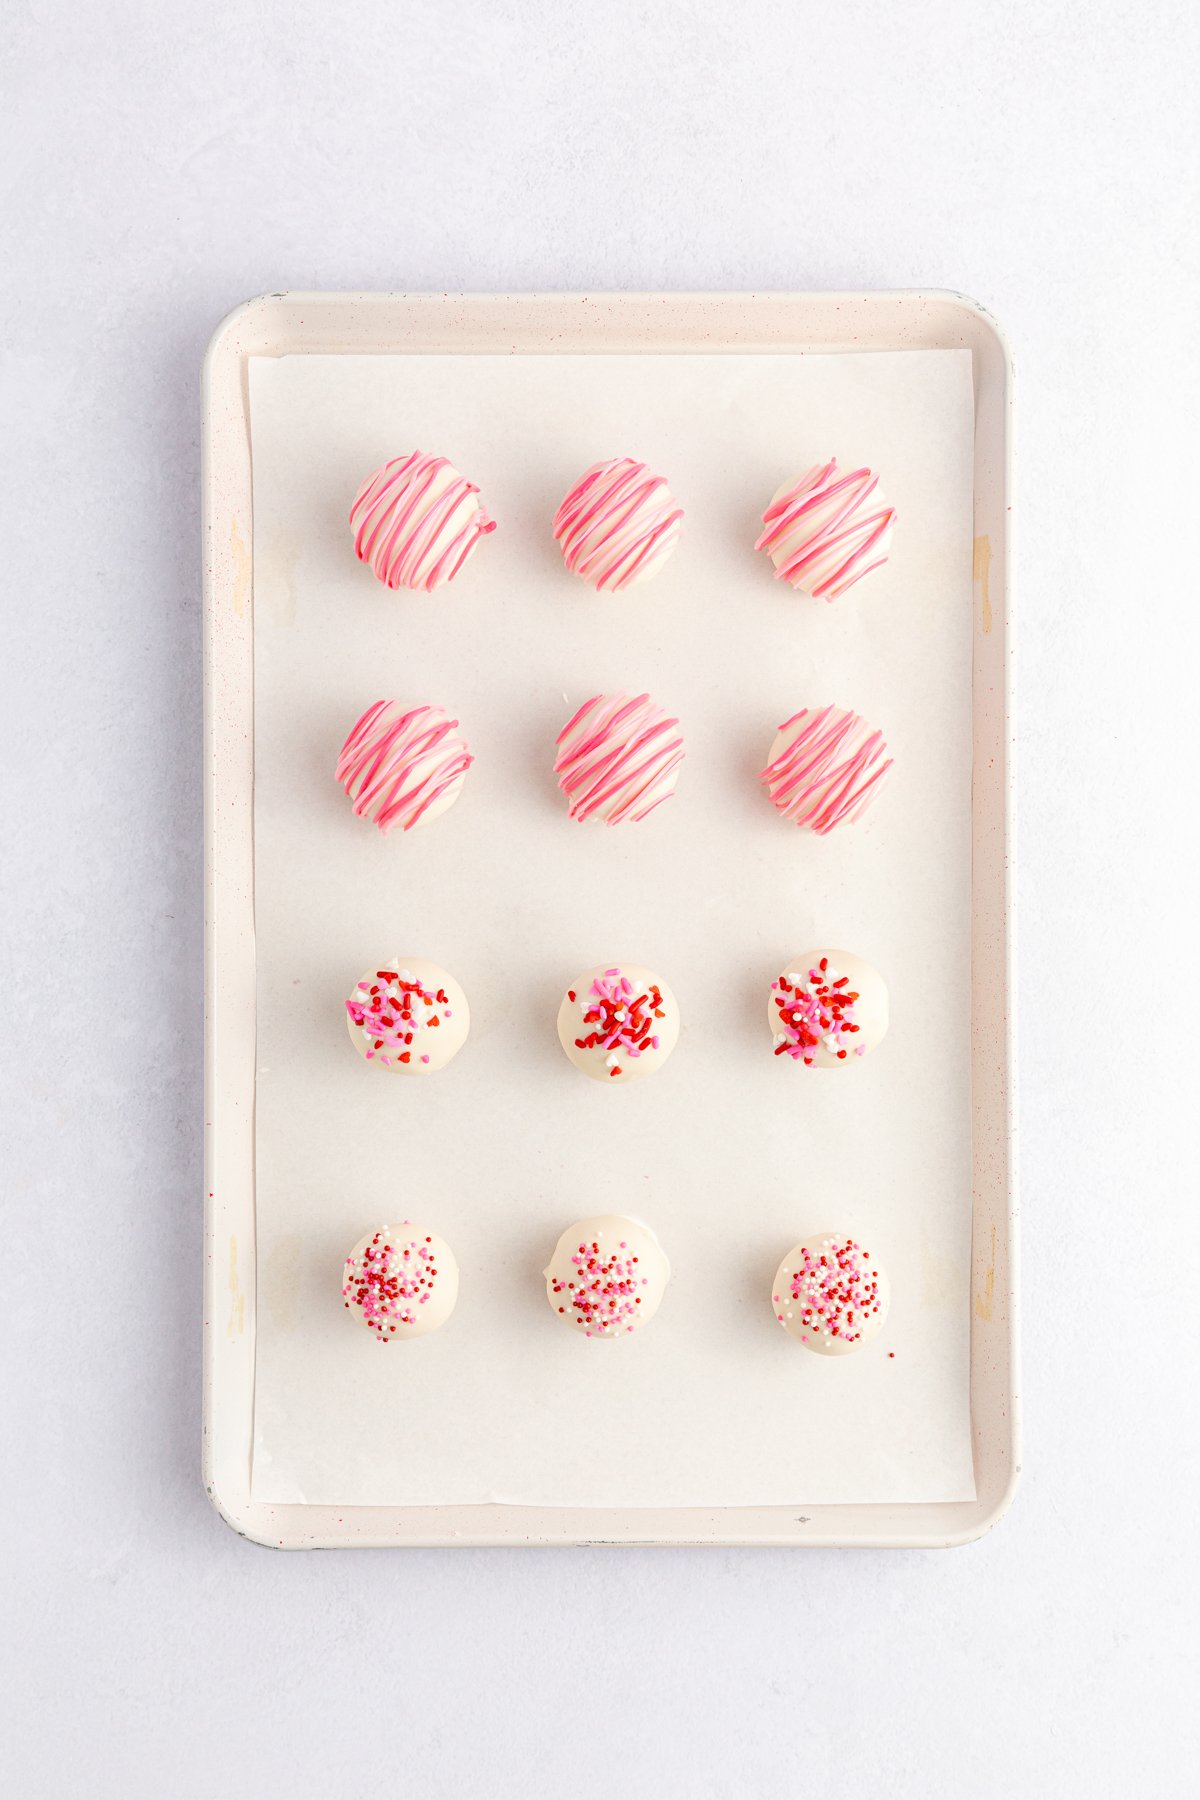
(401, 1281)
(827, 529)
(618, 525)
(830, 1294)
(825, 768)
(416, 521)
(618, 758)
(607, 1276)
(403, 766)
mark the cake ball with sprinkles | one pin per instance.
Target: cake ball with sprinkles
(416, 521)
(827, 1010)
(618, 1022)
(830, 1294)
(411, 1017)
(401, 1281)
(607, 1276)
(618, 524)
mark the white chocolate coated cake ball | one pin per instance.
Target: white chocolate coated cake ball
(618, 758)
(416, 521)
(825, 768)
(830, 1294)
(828, 1009)
(618, 524)
(410, 1016)
(607, 1276)
(403, 765)
(618, 1022)
(402, 1281)
(827, 529)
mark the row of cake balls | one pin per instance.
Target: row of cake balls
(606, 1279)
(618, 1022)
(617, 759)
(416, 521)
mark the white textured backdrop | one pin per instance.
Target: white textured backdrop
(161, 163)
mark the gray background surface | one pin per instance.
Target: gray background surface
(161, 164)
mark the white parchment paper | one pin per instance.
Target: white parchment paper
(732, 1155)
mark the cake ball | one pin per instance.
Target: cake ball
(827, 529)
(607, 1276)
(827, 1009)
(825, 767)
(411, 1016)
(403, 766)
(416, 521)
(618, 1022)
(618, 525)
(401, 1280)
(830, 1295)
(618, 758)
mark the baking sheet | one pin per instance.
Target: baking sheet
(730, 1156)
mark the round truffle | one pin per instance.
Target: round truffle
(830, 1295)
(618, 758)
(618, 1022)
(825, 768)
(827, 1009)
(401, 1280)
(411, 1017)
(618, 525)
(827, 529)
(607, 1276)
(416, 521)
(403, 767)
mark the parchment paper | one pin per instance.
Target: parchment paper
(732, 1155)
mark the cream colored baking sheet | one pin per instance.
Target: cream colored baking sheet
(730, 1155)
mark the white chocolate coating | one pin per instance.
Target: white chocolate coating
(401, 1281)
(409, 1016)
(632, 1015)
(830, 1294)
(607, 1276)
(827, 1017)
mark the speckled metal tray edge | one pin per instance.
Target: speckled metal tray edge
(549, 324)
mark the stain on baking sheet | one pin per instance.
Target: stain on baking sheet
(980, 572)
(241, 569)
(237, 1300)
(985, 1298)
